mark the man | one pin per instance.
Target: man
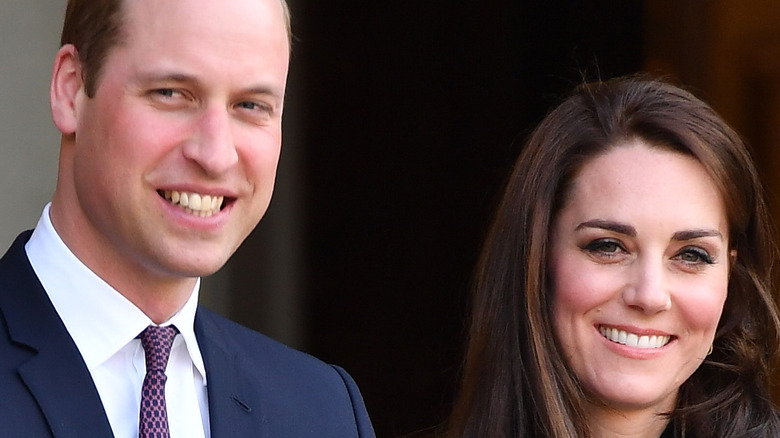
(170, 113)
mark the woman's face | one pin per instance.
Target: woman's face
(640, 265)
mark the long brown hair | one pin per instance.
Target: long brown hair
(516, 382)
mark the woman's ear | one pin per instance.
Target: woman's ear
(66, 86)
(732, 260)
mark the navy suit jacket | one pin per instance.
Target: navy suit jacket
(256, 386)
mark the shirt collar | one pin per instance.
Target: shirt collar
(75, 291)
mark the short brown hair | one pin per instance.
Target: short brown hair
(94, 27)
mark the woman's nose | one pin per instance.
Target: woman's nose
(648, 287)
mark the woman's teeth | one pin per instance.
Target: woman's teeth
(195, 203)
(632, 339)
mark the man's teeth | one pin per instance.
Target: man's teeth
(632, 339)
(195, 203)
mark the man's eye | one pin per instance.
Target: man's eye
(253, 106)
(166, 92)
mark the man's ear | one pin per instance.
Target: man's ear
(66, 87)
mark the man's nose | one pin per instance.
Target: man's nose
(648, 287)
(212, 145)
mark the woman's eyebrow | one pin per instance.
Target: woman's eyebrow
(613, 226)
(695, 234)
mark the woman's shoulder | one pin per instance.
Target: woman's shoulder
(754, 420)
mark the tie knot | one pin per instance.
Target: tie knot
(157, 343)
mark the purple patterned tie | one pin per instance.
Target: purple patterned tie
(157, 343)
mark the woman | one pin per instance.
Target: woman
(624, 288)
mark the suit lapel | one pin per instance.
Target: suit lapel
(232, 412)
(55, 374)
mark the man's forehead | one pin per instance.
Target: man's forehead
(283, 8)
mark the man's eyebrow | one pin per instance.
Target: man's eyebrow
(616, 227)
(695, 234)
(262, 89)
(158, 76)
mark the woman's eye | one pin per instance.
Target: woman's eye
(604, 246)
(695, 255)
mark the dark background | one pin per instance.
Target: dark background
(412, 113)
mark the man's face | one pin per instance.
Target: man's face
(188, 106)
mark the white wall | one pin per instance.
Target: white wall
(29, 142)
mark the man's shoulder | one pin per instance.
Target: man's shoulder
(259, 349)
(297, 391)
(14, 255)
(213, 323)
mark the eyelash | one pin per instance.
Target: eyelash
(598, 247)
(701, 255)
(167, 93)
(255, 106)
(172, 93)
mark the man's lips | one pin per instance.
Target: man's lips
(198, 204)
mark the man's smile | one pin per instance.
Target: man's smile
(194, 203)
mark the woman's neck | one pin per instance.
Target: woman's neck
(610, 423)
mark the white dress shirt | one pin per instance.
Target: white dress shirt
(104, 326)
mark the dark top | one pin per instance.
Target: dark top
(257, 387)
